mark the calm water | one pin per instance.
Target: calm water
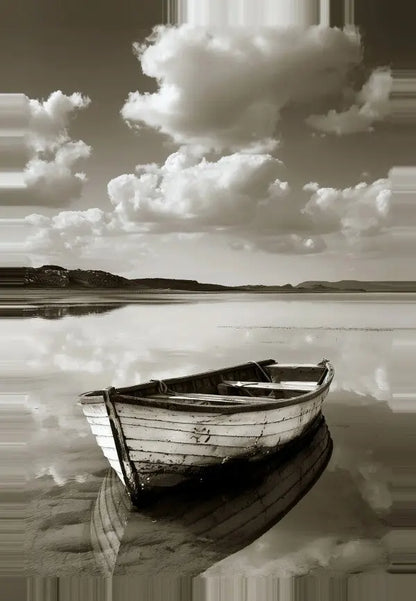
(344, 524)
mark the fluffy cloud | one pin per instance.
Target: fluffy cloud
(54, 182)
(186, 194)
(239, 195)
(192, 193)
(66, 231)
(49, 119)
(358, 211)
(372, 105)
(227, 90)
(50, 176)
(88, 239)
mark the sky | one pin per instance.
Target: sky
(232, 147)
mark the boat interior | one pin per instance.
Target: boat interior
(264, 379)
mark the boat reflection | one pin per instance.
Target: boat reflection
(188, 529)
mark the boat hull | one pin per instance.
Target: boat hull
(166, 446)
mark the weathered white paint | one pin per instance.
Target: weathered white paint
(248, 418)
(171, 459)
(110, 453)
(242, 424)
(105, 423)
(115, 464)
(218, 436)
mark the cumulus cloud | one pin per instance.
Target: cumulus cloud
(54, 182)
(239, 193)
(372, 105)
(186, 195)
(225, 90)
(357, 211)
(187, 192)
(66, 231)
(50, 176)
(49, 119)
(240, 196)
(320, 219)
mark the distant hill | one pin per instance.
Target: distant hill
(359, 286)
(54, 276)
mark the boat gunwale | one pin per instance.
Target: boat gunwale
(262, 404)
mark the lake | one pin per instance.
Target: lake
(351, 521)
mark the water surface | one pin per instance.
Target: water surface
(344, 524)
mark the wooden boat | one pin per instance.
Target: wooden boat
(187, 529)
(162, 432)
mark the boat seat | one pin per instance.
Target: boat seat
(271, 386)
(210, 399)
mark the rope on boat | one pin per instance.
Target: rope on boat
(265, 374)
(163, 389)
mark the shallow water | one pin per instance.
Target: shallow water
(345, 523)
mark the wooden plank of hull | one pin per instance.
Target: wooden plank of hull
(114, 460)
(126, 410)
(176, 448)
(209, 455)
(110, 453)
(197, 429)
(251, 418)
(266, 434)
(224, 434)
(199, 425)
(144, 433)
(155, 468)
